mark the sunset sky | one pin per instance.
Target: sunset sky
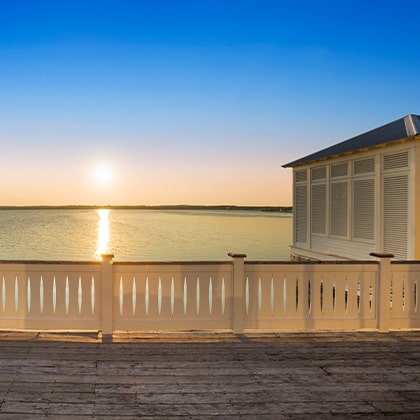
(191, 101)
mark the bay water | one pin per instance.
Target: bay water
(143, 235)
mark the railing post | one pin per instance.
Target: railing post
(238, 298)
(384, 288)
(107, 294)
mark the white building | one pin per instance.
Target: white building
(360, 196)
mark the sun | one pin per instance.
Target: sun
(103, 174)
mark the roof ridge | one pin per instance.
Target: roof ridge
(412, 124)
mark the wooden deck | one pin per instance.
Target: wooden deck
(209, 375)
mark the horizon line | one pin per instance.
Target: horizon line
(149, 207)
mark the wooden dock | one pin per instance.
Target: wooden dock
(210, 375)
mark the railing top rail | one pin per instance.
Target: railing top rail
(400, 262)
(51, 262)
(225, 262)
(331, 262)
(172, 263)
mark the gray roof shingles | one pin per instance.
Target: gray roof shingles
(402, 128)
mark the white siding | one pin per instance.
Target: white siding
(342, 248)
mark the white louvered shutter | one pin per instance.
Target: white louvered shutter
(396, 198)
(300, 214)
(364, 208)
(339, 208)
(396, 215)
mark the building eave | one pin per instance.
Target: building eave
(352, 152)
(399, 130)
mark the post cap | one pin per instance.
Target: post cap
(382, 255)
(107, 256)
(236, 255)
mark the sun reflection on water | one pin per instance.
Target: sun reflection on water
(103, 232)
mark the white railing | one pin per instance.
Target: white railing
(404, 311)
(40, 295)
(172, 296)
(237, 295)
(311, 296)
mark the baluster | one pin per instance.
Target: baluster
(185, 295)
(172, 295)
(146, 296)
(223, 295)
(309, 296)
(160, 296)
(247, 295)
(3, 294)
(121, 295)
(54, 296)
(16, 294)
(272, 295)
(28, 295)
(284, 295)
(41, 294)
(134, 295)
(403, 294)
(67, 295)
(210, 295)
(198, 295)
(80, 295)
(92, 295)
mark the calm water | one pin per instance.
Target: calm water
(143, 235)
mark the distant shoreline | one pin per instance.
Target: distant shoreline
(272, 209)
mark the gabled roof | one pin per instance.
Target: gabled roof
(408, 126)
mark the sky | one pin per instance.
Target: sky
(147, 102)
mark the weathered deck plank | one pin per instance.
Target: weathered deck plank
(208, 375)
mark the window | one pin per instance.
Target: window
(364, 208)
(364, 166)
(301, 175)
(339, 170)
(319, 199)
(339, 208)
(396, 161)
(300, 214)
(300, 211)
(319, 173)
(395, 211)
(396, 215)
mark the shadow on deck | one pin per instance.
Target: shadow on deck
(207, 375)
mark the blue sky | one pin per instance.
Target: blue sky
(196, 102)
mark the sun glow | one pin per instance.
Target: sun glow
(103, 174)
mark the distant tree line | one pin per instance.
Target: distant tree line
(273, 209)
